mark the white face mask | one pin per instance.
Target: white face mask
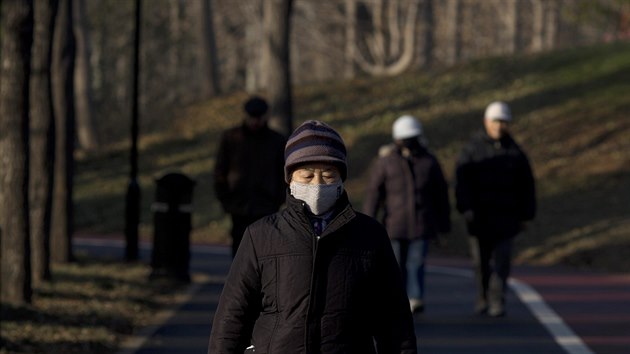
(319, 198)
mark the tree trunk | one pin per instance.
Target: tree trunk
(254, 51)
(395, 36)
(551, 24)
(428, 33)
(63, 97)
(174, 93)
(17, 35)
(538, 25)
(511, 33)
(86, 133)
(377, 39)
(351, 38)
(379, 67)
(454, 23)
(208, 50)
(41, 140)
(276, 19)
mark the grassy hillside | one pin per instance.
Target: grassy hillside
(571, 113)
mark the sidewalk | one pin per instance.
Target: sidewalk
(550, 310)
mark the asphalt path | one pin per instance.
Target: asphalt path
(549, 309)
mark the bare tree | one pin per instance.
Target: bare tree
(510, 33)
(428, 32)
(454, 35)
(86, 133)
(545, 14)
(351, 37)
(538, 25)
(276, 19)
(63, 98)
(16, 26)
(41, 140)
(175, 34)
(208, 50)
(381, 62)
(552, 23)
(254, 32)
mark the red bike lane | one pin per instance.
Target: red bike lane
(585, 312)
(595, 306)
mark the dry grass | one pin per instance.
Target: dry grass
(89, 307)
(571, 110)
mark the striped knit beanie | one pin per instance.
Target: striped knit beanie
(314, 141)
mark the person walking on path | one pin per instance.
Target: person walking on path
(495, 192)
(317, 276)
(407, 184)
(244, 152)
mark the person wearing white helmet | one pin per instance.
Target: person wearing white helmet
(495, 193)
(407, 192)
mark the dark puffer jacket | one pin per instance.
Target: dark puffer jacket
(289, 291)
(238, 182)
(412, 193)
(495, 181)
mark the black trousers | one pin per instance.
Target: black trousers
(492, 261)
(239, 224)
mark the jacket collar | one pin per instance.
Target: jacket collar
(342, 212)
(505, 141)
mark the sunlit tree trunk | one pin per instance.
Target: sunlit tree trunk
(276, 19)
(63, 98)
(41, 140)
(16, 27)
(380, 62)
(254, 47)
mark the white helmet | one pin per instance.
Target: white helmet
(498, 111)
(406, 127)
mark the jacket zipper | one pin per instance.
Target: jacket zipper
(410, 185)
(313, 295)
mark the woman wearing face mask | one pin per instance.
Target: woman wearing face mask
(318, 276)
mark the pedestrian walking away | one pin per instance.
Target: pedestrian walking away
(244, 152)
(408, 188)
(317, 276)
(495, 193)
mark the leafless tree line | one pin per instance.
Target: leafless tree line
(45, 83)
(193, 50)
(36, 142)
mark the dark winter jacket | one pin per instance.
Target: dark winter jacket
(412, 193)
(289, 291)
(249, 171)
(495, 181)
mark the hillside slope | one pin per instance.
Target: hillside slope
(571, 113)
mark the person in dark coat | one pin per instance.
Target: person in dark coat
(317, 276)
(407, 184)
(495, 192)
(244, 151)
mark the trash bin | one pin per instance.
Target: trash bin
(172, 221)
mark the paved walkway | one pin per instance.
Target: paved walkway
(550, 310)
